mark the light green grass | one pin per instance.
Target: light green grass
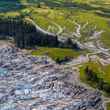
(102, 72)
(60, 53)
(108, 106)
(65, 18)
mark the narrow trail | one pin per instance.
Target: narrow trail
(60, 29)
(78, 29)
(38, 28)
(103, 50)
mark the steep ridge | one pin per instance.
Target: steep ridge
(25, 33)
(28, 34)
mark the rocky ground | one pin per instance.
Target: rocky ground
(37, 83)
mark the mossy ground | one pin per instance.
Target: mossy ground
(102, 72)
(108, 106)
(57, 53)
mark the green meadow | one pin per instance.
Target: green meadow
(57, 53)
(102, 74)
(44, 15)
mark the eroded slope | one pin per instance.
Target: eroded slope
(37, 83)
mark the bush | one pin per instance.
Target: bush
(106, 87)
(93, 76)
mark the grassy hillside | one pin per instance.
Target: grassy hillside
(57, 53)
(54, 13)
(64, 15)
(100, 78)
